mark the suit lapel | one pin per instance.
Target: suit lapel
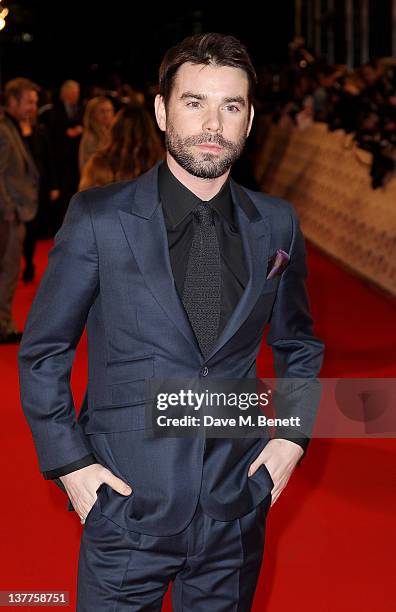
(145, 230)
(255, 236)
(144, 226)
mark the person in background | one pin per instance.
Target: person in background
(98, 117)
(45, 106)
(326, 79)
(134, 147)
(36, 138)
(19, 179)
(65, 125)
(122, 94)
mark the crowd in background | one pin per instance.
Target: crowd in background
(50, 149)
(52, 145)
(361, 102)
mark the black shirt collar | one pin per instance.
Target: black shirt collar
(178, 201)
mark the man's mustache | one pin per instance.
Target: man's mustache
(216, 139)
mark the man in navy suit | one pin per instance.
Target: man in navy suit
(175, 275)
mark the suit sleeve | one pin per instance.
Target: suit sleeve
(298, 353)
(54, 326)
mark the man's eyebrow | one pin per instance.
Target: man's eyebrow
(191, 94)
(229, 100)
(237, 99)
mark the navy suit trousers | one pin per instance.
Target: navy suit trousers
(213, 565)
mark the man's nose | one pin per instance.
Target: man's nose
(212, 122)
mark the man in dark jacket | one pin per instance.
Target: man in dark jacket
(175, 274)
(19, 179)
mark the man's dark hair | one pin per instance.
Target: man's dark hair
(16, 87)
(208, 49)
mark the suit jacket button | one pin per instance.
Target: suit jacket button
(205, 371)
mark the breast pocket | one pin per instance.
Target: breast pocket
(271, 285)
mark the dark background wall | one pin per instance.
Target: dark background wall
(50, 40)
(76, 38)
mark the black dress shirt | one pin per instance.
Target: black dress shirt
(178, 204)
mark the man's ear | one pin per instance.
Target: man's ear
(160, 112)
(250, 120)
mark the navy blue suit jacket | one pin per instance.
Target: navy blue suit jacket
(110, 271)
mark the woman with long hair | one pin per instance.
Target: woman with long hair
(98, 117)
(134, 147)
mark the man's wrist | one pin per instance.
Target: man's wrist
(294, 435)
(297, 444)
(291, 443)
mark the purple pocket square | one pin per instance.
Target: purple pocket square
(277, 263)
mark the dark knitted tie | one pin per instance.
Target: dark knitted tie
(202, 283)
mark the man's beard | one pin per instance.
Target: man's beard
(208, 165)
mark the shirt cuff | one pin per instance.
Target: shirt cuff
(70, 467)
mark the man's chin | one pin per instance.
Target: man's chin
(208, 172)
(205, 165)
(210, 163)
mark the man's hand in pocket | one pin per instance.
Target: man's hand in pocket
(280, 457)
(81, 486)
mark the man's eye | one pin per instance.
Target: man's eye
(232, 108)
(193, 104)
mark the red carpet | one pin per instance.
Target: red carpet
(331, 537)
